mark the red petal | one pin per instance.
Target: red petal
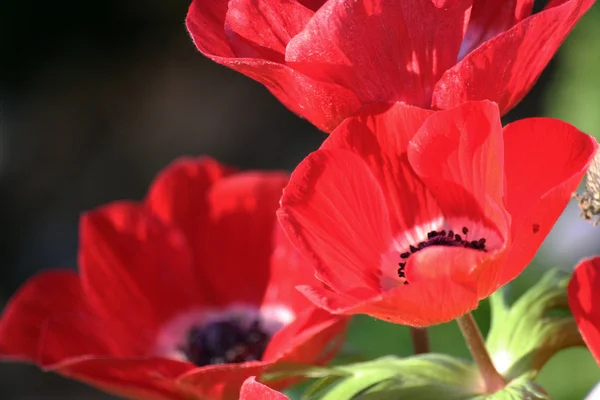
(235, 247)
(383, 50)
(178, 195)
(488, 19)
(505, 68)
(312, 338)
(334, 212)
(545, 159)
(48, 294)
(208, 20)
(148, 379)
(440, 297)
(322, 103)
(253, 390)
(263, 28)
(288, 270)
(583, 300)
(221, 382)
(134, 265)
(459, 155)
(380, 135)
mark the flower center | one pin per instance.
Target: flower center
(441, 238)
(226, 341)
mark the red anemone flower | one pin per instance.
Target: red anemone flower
(325, 59)
(253, 390)
(413, 216)
(584, 301)
(182, 296)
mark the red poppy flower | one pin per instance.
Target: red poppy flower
(413, 216)
(253, 390)
(180, 297)
(584, 300)
(324, 59)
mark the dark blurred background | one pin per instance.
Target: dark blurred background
(96, 98)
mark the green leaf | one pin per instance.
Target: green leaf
(525, 335)
(424, 376)
(519, 389)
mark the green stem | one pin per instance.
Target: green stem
(492, 379)
(420, 340)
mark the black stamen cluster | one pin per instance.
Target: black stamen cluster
(225, 342)
(441, 238)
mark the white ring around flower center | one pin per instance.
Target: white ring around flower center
(172, 338)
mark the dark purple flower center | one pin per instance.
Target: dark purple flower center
(441, 238)
(225, 342)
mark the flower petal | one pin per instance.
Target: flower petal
(148, 379)
(459, 155)
(488, 19)
(383, 50)
(47, 294)
(545, 159)
(178, 195)
(584, 301)
(322, 103)
(236, 246)
(208, 19)
(221, 382)
(439, 298)
(380, 134)
(312, 338)
(263, 28)
(252, 390)
(505, 68)
(134, 265)
(334, 212)
(288, 270)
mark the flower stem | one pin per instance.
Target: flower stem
(492, 379)
(420, 340)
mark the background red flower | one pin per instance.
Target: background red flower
(448, 201)
(326, 59)
(201, 252)
(584, 301)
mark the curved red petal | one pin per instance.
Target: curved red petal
(334, 212)
(383, 50)
(206, 21)
(134, 265)
(235, 248)
(379, 134)
(221, 382)
(584, 299)
(148, 378)
(263, 28)
(312, 338)
(545, 159)
(459, 155)
(440, 297)
(505, 68)
(253, 390)
(48, 294)
(288, 270)
(178, 194)
(488, 19)
(323, 103)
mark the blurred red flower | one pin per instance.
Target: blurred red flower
(253, 390)
(326, 59)
(183, 296)
(413, 216)
(584, 300)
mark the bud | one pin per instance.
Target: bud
(589, 200)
